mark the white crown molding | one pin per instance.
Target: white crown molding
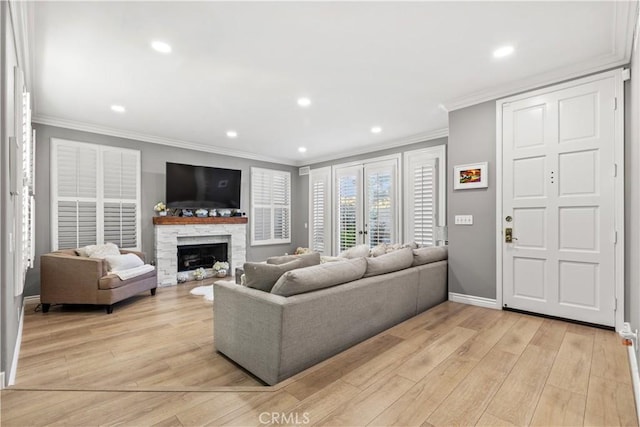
(119, 133)
(421, 137)
(624, 18)
(603, 63)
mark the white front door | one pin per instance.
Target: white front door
(559, 199)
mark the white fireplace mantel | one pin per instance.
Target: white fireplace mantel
(171, 232)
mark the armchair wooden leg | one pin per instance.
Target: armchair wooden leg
(110, 309)
(45, 308)
(153, 291)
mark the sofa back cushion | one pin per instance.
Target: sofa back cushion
(319, 277)
(429, 254)
(307, 259)
(392, 261)
(263, 276)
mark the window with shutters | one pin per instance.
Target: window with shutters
(270, 206)
(96, 195)
(425, 195)
(320, 210)
(366, 203)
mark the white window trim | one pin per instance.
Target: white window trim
(55, 143)
(438, 152)
(272, 206)
(324, 172)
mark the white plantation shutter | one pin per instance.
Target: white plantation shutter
(349, 206)
(380, 205)
(424, 205)
(96, 195)
(120, 209)
(270, 206)
(320, 210)
(75, 194)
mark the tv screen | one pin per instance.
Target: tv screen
(193, 187)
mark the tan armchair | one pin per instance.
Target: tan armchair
(67, 278)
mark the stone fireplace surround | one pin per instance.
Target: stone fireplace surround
(171, 232)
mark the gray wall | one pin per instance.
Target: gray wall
(472, 251)
(153, 159)
(10, 305)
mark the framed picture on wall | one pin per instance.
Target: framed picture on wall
(473, 175)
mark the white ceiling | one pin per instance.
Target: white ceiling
(242, 66)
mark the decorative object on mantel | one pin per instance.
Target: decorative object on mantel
(202, 213)
(182, 277)
(473, 175)
(199, 274)
(161, 208)
(213, 212)
(221, 268)
(187, 212)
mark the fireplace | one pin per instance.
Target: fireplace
(191, 257)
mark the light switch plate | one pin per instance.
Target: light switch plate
(464, 219)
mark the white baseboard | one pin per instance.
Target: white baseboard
(32, 299)
(16, 353)
(635, 378)
(473, 300)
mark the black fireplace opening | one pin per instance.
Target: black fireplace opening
(192, 257)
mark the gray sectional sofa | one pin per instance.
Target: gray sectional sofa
(275, 336)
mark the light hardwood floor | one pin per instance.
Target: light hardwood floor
(453, 365)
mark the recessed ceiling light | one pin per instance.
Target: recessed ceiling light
(161, 47)
(503, 51)
(232, 133)
(376, 129)
(304, 102)
(118, 108)
(302, 149)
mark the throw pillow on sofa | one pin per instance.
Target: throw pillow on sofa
(358, 251)
(387, 263)
(99, 251)
(123, 262)
(263, 276)
(319, 277)
(307, 259)
(429, 254)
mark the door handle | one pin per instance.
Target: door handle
(508, 235)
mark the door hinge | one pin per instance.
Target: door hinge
(615, 237)
(615, 169)
(626, 74)
(615, 304)
(615, 103)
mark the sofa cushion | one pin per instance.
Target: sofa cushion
(392, 261)
(123, 262)
(111, 281)
(319, 277)
(355, 252)
(307, 259)
(429, 254)
(263, 276)
(99, 251)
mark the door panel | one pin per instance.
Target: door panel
(558, 185)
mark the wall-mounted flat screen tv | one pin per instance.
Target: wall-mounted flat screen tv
(193, 187)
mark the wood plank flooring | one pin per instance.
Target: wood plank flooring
(453, 365)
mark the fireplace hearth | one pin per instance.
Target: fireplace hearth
(192, 257)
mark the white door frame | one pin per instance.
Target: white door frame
(619, 182)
